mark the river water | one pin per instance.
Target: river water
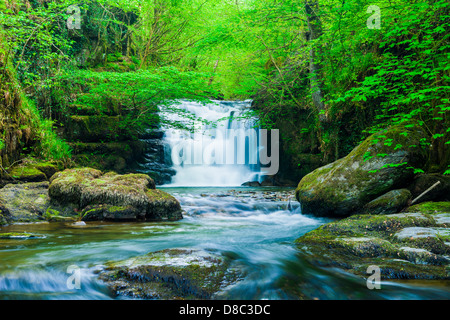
(254, 226)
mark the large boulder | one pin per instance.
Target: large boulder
(29, 202)
(408, 245)
(390, 202)
(381, 163)
(179, 273)
(30, 171)
(25, 202)
(110, 196)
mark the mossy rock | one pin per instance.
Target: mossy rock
(111, 213)
(48, 168)
(179, 273)
(27, 174)
(25, 202)
(431, 207)
(32, 171)
(54, 214)
(94, 128)
(405, 246)
(20, 235)
(90, 189)
(390, 202)
(373, 168)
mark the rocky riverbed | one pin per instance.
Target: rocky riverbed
(403, 241)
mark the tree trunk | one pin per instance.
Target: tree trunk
(315, 31)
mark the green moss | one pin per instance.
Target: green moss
(19, 235)
(431, 207)
(200, 276)
(358, 241)
(134, 193)
(27, 173)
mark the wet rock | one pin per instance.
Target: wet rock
(20, 235)
(420, 232)
(408, 245)
(112, 196)
(422, 256)
(251, 184)
(25, 202)
(31, 171)
(171, 274)
(29, 202)
(390, 202)
(373, 168)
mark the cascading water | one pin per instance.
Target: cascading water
(222, 150)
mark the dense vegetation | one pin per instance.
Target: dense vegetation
(327, 73)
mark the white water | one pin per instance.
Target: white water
(195, 154)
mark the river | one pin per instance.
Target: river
(255, 226)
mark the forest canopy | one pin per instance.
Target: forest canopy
(324, 71)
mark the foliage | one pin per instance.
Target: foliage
(131, 57)
(136, 96)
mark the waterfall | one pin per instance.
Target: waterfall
(222, 150)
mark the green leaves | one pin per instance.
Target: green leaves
(137, 96)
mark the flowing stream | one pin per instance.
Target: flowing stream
(255, 226)
(256, 231)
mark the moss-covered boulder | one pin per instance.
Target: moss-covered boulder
(390, 202)
(29, 202)
(25, 202)
(379, 164)
(27, 174)
(405, 245)
(171, 274)
(112, 196)
(31, 171)
(431, 207)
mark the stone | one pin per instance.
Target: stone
(179, 273)
(371, 169)
(25, 202)
(407, 245)
(420, 232)
(251, 184)
(390, 202)
(29, 202)
(112, 196)
(31, 170)
(27, 174)
(431, 207)
(20, 235)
